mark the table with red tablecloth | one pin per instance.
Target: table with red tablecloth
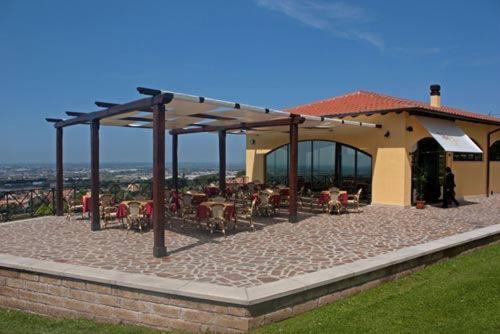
(229, 209)
(146, 207)
(86, 203)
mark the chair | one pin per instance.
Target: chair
(249, 211)
(107, 208)
(218, 218)
(264, 205)
(135, 216)
(187, 209)
(354, 199)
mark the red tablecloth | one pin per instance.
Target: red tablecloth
(203, 212)
(343, 198)
(324, 198)
(122, 211)
(147, 209)
(86, 204)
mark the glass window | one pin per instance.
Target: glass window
(468, 156)
(323, 164)
(364, 167)
(304, 162)
(495, 151)
(277, 166)
(317, 167)
(348, 162)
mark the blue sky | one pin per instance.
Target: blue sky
(64, 55)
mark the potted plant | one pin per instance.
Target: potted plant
(421, 180)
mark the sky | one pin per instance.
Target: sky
(64, 55)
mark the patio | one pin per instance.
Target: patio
(276, 250)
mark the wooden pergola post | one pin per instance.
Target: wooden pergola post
(292, 182)
(95, 224)
(175, 161)
(159, 249)
(222, 161)
(59, 172)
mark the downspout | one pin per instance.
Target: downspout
(488, 160)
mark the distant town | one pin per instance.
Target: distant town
(24, 176)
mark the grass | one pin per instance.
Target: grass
(461, 295)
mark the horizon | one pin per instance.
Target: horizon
(299, 52)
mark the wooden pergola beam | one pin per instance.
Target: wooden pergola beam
(141, 104)
(75, 113)
(105, 104)
(242, 126)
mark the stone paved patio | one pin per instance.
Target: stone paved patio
(276, 250)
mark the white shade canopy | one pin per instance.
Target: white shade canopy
(186, 111)
(449, 135)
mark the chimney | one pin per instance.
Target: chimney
(435, 95)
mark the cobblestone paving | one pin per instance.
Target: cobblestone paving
(276, 250)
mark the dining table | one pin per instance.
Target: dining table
(147, 208)
(229, 209)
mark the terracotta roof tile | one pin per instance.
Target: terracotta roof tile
(365, 102)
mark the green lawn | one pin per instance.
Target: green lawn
(457, 296)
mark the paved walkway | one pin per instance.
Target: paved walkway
(276, 250)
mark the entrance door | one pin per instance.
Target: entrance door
(429, 158)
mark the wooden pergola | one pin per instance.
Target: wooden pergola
(182, 114)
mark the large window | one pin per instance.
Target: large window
(322, 164)
(495, 151)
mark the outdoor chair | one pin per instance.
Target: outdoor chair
(305, 198)
(354, 199)
(249, 211)
(343, 202)
(187, 209)
(107, 208)
(135, 216)
(218, 219)
(265, 206)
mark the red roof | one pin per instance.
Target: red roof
(365, 102)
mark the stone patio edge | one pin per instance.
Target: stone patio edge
(243, 296)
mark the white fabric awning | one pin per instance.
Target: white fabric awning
(449, 135)
(186, 111)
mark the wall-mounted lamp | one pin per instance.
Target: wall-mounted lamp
(409, 129)
(387, 134)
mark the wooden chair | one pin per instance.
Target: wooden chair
(187, 210)
(354, 199)
(264, 206)
(249, 211)
(107, 208)
(218, 219)
(135, 216)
